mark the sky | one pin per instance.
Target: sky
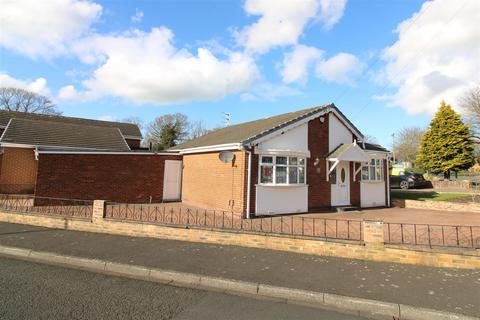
(386, 64)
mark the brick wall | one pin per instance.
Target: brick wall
(18, 170)
(121, 178)
(318, 188)
(209, 182)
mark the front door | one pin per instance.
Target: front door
(340, 182)
(172, 180)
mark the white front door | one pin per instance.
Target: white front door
(340, 182)
(172, 180)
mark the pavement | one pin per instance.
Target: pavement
(36, 291)
(450, 290)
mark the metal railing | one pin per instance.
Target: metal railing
(287, 225)
(433, 235)
(44, 205)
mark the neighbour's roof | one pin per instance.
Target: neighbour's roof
(249, 131)
(127, 129)
(373, 147)
(59, 134)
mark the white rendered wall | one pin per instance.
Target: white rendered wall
(337, 132)
(281, 199)
(372, 194)
(295, 141)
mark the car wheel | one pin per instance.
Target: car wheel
(404, 185)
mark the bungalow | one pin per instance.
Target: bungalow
(301, 161)
(23, 134)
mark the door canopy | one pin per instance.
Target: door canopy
(348, 152)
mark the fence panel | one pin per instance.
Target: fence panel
(433, 235)
(186, 216)
(48, 206)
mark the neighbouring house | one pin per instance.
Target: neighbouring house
(24, 134)
(301, 161)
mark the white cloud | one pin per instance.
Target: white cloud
(282, 22)
(294, 67)
(45, 28)
(340, 68)
(38, 85)
(138, 16)
(145, 67)
(436, 56)
(268, 92)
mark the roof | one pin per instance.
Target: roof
(348, 152)
(127, 129)
(374, 147)
(58, 134)
(249, 131)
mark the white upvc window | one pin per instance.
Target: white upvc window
(282, 170)
(373, 171)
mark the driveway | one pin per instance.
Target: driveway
(405, 215)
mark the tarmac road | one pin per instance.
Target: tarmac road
(34, 291)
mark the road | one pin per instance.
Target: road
(35, 291)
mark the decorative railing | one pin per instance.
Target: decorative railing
(44, 205)
(286, 225)
(433, 235)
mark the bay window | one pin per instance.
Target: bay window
(373, 171)
(282, 170)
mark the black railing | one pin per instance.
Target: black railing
(433, 235)
(44, 205)
(184, 216)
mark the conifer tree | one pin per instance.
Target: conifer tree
(447, 144)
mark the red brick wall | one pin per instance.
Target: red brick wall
(121, 178)
(133, 144)
(318, 188)
(211, 183)
(355, 185)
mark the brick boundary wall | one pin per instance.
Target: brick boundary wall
(437, 205)
(373, 249)
(132, 178)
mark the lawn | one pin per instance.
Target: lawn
(432, 195)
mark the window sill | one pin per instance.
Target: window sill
(281, 185)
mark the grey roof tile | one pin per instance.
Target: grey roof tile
(60, 134)
(127, 129)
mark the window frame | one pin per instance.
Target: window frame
(375, 169)
(288, 167)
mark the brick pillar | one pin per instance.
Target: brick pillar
(373, 232)
(98, 210)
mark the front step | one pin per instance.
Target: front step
(346, 208)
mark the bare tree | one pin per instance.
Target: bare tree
(370, 139)
(471, 104)
(197, 129)
(16, 99)
(167, 131)
(407, 143)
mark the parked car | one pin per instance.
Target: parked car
(408, 180)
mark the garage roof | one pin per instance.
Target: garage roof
(127, 129)
(58, 134)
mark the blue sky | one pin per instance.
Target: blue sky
(385, 64)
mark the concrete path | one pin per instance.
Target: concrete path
(441, 289)
(36, 291)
